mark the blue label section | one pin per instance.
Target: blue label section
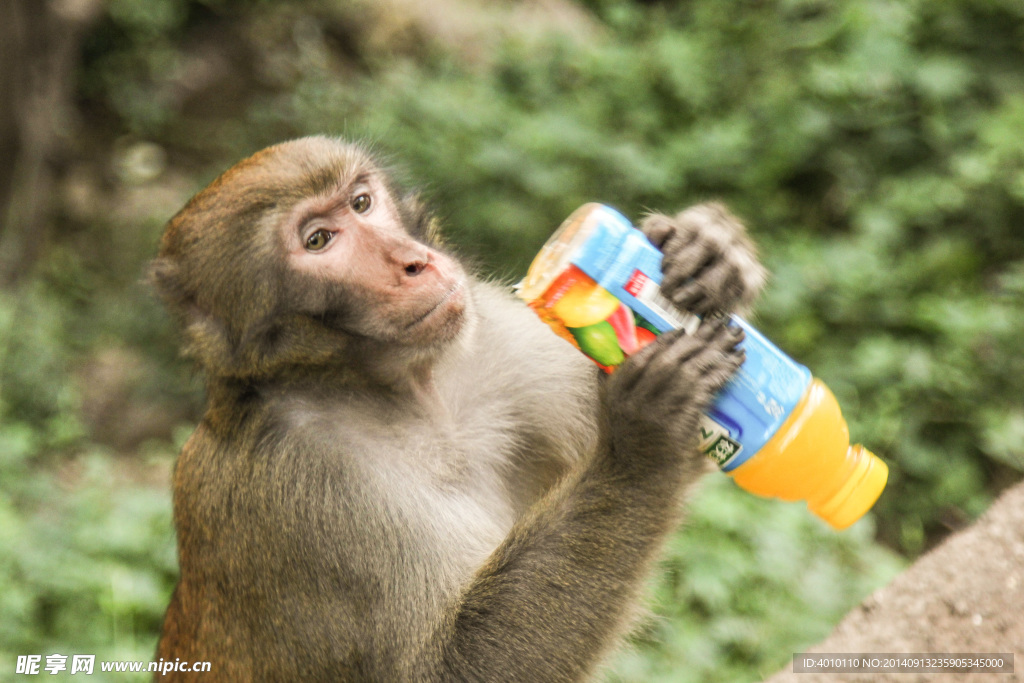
(622, 260)
(762, 393)
(760, 396)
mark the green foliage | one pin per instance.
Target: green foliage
(88, 564)
(35, 390)
(88, 556)
(86, 570)
(746, 584)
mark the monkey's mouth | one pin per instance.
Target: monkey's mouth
(453, 292)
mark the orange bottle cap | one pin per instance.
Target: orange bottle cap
(858, 494)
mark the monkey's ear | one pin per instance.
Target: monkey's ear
(165, 277)
(421, 223)
(206, 339)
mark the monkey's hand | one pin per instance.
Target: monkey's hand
(656, 398)
(709, 263)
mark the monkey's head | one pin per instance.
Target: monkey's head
(304, 254)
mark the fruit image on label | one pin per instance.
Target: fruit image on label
(599, 342)
(645, 324)
(644, 337)
(586, 303)
(625, 329)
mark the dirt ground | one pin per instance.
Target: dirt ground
(966, 596)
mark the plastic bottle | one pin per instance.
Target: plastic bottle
(775, 429)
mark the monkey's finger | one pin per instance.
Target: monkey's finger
(718, 288)
(659, 367)
(719, 335)
(691, 367)
(643, 371)
(727, 366)
(713, 327)
(628, 375)
(723, 279)
(684, 350)
(728, 341)
(658, 228)
(691, 297)
(718, 375)
(685, 262)
(720, 357)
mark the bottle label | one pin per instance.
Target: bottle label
(760, 396)
(717, 442)
(648, 292)
(624, 263)
(609, 304)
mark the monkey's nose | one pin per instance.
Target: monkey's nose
(416, 261)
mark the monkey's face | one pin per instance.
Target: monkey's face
(303, 254)
(359, 270)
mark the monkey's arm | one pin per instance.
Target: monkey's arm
(556, 594)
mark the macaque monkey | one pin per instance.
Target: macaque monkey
(402, 474)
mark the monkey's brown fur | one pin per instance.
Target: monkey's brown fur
(402, 475)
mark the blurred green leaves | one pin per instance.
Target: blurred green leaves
(745, 585)
(88, 555)
(89, 570)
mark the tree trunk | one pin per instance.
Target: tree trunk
(39, 50)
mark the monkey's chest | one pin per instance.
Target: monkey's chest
(446, 486)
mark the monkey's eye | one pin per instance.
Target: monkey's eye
(318, 240)
(361, 204)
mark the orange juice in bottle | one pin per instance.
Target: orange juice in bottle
(775, 429)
